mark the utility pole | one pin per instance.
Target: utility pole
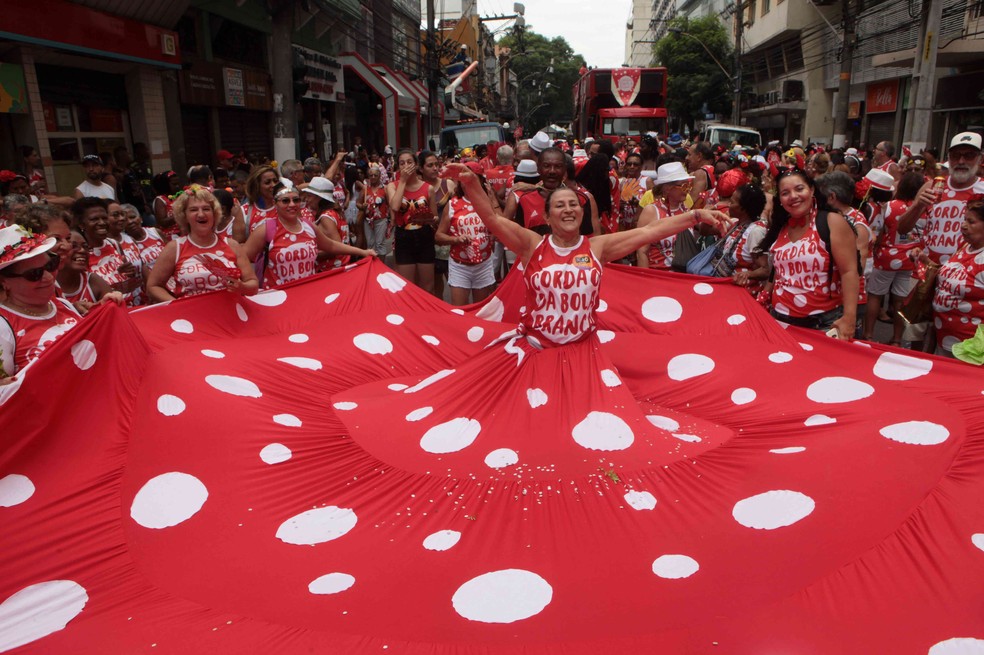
(284, 108)
(917, 122)
(432, 66)
(739, 30)
(844, 88)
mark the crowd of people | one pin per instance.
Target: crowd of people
(832, 240)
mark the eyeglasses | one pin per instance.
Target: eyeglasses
(290, 201)
(35, 274)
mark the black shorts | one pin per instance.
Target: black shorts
(441, 267)
(414, 246)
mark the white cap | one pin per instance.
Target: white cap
(672, 172)
(527, 168)
(321, 187)
(540, 142)
(972, 139)
(880, 179)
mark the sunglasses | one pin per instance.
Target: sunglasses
(290, 201)
(35, 274)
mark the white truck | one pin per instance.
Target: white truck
(719, 133)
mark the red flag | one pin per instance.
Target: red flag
(625, 85)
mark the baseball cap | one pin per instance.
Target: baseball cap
(92, 159)
(971, 139)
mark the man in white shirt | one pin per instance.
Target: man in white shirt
(93, 186)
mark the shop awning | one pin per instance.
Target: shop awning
(387, 93)
(87, 31)
(406, 100)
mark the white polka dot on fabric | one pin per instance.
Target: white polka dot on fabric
(374, 344)
(603, 431)
(169, 405)
(917, 433)
(431, 339)
(799, 301)
(536, 397)
(610, 378)
(168, 499)
(475, 333)
(345, 406)
(689, 438)
(805, 346)
(501, 458)
(773, 509)
(949, 342)
(275, 453)
(273, 298)
(331, 297)
(331, 583)
(958, 646)
(316, 526)
(664, 422)
(299, 338)
(302, 362)
(391, 282)
(978, 540)
(640, 500)
(84, 354)
(459, 312)
(703, 289)
(451, 436)
(674, 567)
(684, 367)
(182, 326)
(502, 596)
(213, 354)
(395, 319)
(605, 336)
(443, 540)
(39, 610)
(780, 357)
(233, 385)
(15, 489)
(662, 309)
(736, 319)
(241, 313)
(838, 390)
(493, 310)
(419, 414)
(602, 306)
(788, 451)
(819, 419)
(426, 382)
(743, 396)
(396, 386)
(894, 366)
(288, 420)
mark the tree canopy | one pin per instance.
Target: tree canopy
(532, 54)
(694, 77)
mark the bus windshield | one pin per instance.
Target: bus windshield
(462, 136)
(632, 126)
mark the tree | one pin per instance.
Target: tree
(695, 79)
(544, 97)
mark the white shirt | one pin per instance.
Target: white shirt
(101, 190)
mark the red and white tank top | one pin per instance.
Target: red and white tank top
(802, 287)
(291, 255)
(959, 296)
(661, 252)
(562, 292)
(892, 253)
(150, 246)
(856, 219)
(23, 338)
(375, 198)
(191, 277)
(343, 231)
(415, 204)
(83, 294)
(466, 222)
(943, 221)
(255, 215)
(534, 210)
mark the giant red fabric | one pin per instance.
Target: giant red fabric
(350, 466)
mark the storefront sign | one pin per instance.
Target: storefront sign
(13, 93)
(323, 75)
(207, 84)
(235, 87)
(882, 97)
(854, 110)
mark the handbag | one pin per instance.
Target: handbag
(918, 306)
(712, 261)
(703, 262)
(685, 248)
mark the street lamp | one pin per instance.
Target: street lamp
(737, 101)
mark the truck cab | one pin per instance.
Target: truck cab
(725, 135)
(467, 135)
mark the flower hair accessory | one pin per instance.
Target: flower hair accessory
(28, 242)
(8, 176)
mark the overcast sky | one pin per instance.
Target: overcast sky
(594, 28)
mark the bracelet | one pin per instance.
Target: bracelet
(696, 216)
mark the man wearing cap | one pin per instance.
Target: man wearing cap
(945, 215)
(225, 160)
(93, 186)
(540, 142)
(883, 159)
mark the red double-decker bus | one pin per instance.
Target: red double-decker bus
(598, 112)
